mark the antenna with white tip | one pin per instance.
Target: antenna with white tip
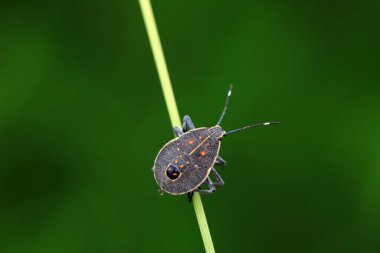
(246, 127)
(225, 106)
(243, 128)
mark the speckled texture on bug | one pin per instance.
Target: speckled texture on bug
(198, 149)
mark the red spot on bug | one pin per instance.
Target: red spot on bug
(182, 166)
(191, 142)
(202, 153)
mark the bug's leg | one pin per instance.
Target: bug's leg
(219, 181)
(219, 161)
(190, 196)
(187, 123)
(210, 185)
(204, 191)
(177, 131)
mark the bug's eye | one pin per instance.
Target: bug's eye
(172, 172)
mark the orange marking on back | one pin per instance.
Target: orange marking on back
(191, 142)
(202, 153)
(175, 161)
(181, 166)
(200, 144)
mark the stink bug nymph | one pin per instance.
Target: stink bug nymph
(184, 164)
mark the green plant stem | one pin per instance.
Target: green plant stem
(163, 74)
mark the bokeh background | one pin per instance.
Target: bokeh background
(82, 117)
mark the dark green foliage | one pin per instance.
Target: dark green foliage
(82, 117)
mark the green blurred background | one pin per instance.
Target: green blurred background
(82, 117)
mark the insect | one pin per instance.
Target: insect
(184, 164)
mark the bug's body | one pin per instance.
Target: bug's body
(193, 153)
(184, 164)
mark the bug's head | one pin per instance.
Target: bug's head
(217, 131)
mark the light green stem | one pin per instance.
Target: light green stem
(163, 74)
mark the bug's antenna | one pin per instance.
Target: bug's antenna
(225, 106)
(246, 127)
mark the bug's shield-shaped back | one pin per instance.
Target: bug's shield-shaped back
(198, 149)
